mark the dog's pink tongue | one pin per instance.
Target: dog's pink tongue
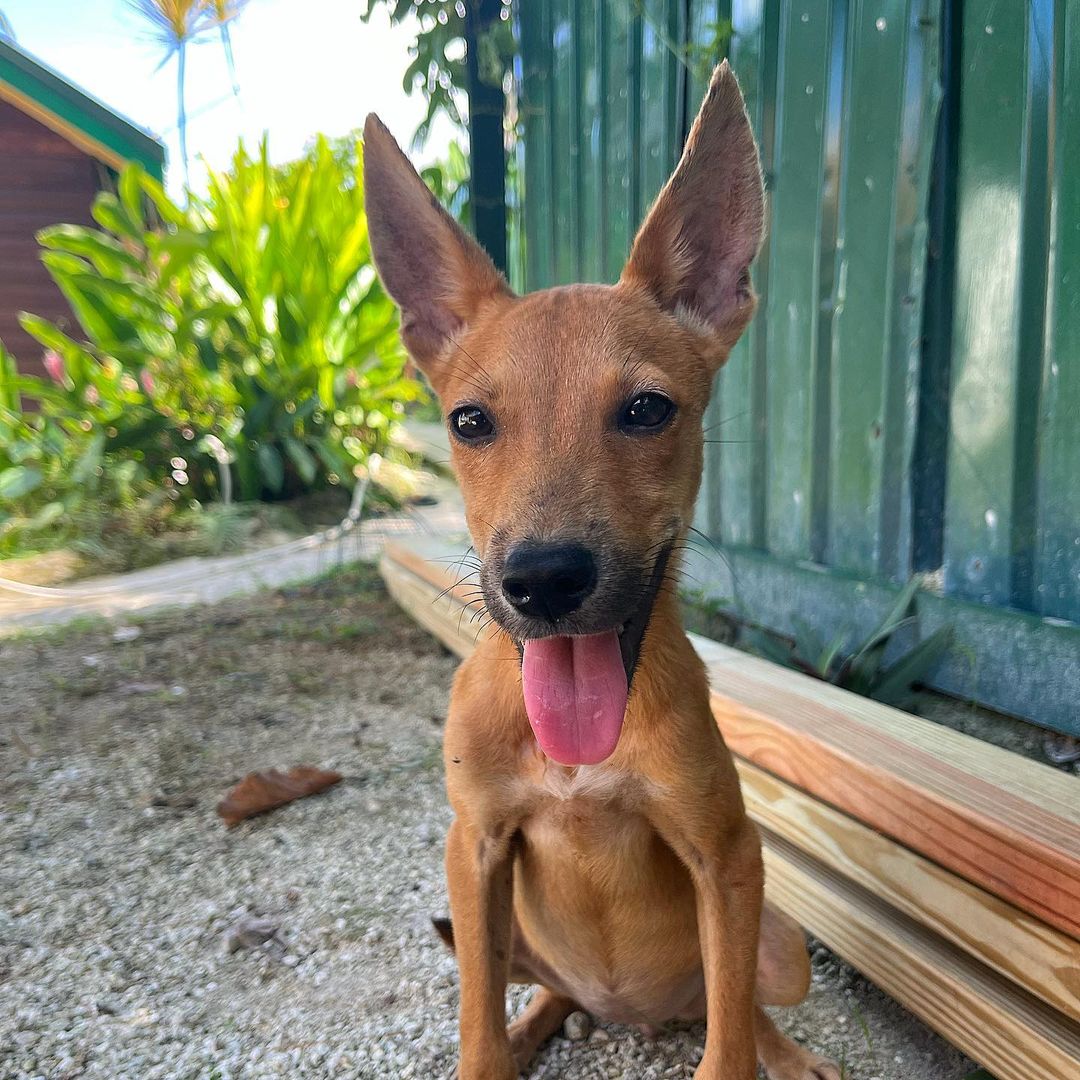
(575, 695)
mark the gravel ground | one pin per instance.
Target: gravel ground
(121, 894)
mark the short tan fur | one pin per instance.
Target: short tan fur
(630, 888)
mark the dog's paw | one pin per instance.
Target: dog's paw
(810, 1067)
(490, 1071)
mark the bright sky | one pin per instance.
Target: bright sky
(304, 66)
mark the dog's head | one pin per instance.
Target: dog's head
(575, 413)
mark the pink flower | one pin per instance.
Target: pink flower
(54, 365)
(147, 381)
(91, 395)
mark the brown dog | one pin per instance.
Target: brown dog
(600, 847)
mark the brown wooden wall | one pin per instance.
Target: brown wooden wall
(44, 180)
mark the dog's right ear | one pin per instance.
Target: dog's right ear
(439, 276)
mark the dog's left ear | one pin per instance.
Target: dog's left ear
(694, 250)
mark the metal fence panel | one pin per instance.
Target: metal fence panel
(1057, 555)
(814, 456)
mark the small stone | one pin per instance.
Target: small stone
(576, 1027)
(250, 933)
(600, 1035)
(126, 633)
(130, 688)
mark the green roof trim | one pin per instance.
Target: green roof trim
(39, 91)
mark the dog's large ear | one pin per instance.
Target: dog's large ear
(694, 250)
(438, 275)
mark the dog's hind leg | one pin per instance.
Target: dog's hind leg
(783, 978)
(783, 965)
(543, 1016)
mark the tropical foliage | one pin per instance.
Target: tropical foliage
(240, 342)
(869, 667)
(437, 67)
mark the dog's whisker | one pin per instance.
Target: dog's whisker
(726, 420)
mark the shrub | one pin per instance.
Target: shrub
(246, 328)
(862, 669)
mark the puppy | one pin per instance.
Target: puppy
(600, 847)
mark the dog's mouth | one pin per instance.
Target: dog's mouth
(576, 686)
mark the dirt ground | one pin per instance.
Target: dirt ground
(121, 892)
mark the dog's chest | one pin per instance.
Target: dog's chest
(591, 808)
(543, 785)
(586, 784)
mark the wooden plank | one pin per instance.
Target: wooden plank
(22, 132)
(1008, 825)
(1004, 1029)
(1006, 659)
(1043, 961)
(587, 111)
(49, 207)
(445, 617)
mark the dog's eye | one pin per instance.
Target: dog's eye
(471, 423)
(646, 412)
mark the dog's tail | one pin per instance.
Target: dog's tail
(445, 929)
(523, 965)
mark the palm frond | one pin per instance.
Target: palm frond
(172, 23)
(220, 12)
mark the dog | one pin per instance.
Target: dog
(600, 847)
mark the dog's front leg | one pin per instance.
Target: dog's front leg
(728, 876)
(730, 887)
(479, 870)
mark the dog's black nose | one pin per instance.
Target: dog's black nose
(548, 581)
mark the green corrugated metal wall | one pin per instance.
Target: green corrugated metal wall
(886, 412)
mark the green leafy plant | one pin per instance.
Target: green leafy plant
(243, 339)
(863, 669)
(699, 57)
(437, 68)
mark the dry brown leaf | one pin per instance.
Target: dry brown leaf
(262, 791)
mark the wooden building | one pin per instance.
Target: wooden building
(58, 148)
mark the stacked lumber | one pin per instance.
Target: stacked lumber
(945, 869)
